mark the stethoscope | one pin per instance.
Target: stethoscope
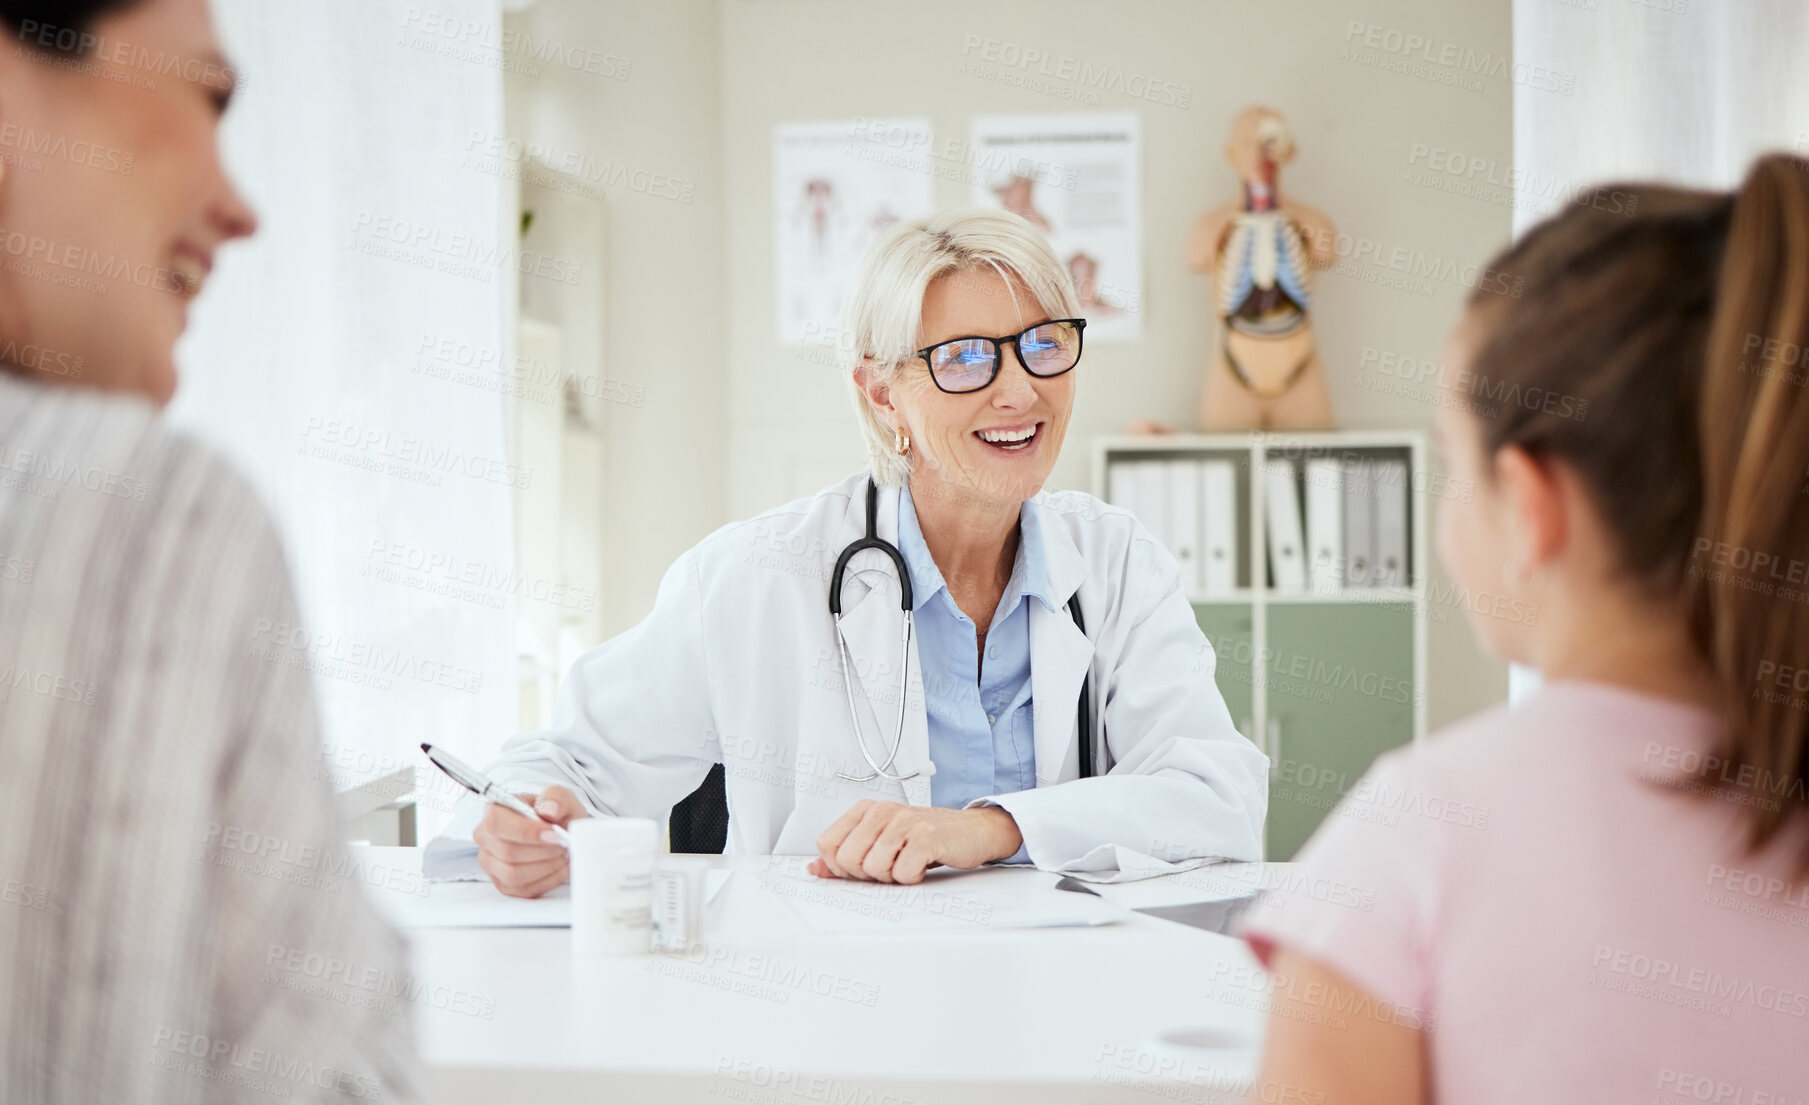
(883, 769)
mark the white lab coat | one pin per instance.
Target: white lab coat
(737, 664)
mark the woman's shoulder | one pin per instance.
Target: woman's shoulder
(1563, 740)
(85, 423)
(42, 424)
(78, 464)
(1457, 771)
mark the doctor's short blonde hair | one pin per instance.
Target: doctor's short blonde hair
(883, 315)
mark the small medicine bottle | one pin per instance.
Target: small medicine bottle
(612, 885)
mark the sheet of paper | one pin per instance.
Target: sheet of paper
(952, 901)
(1219, 917)
(481, 905)
(1114, 863)
(474, 905)
(1220, 882)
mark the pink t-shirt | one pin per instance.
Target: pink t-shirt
(1564, 927)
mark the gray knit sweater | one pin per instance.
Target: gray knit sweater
(178, 918)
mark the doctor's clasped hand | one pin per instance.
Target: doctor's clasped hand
(888, 842)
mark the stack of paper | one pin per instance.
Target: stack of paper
(946, 900)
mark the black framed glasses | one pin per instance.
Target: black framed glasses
(969, 364)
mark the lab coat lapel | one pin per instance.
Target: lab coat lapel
(1060, 654)
(872, 627)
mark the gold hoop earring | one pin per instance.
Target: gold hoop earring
(901, 442)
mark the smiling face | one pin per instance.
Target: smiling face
(997, 444)
(125, 233)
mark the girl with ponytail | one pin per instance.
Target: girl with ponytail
(1601, 895)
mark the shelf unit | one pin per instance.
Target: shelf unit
(1314, 679)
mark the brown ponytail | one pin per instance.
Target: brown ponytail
(1666, 332)
(1754, 423)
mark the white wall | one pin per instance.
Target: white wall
(1357, 123)
(734, 422)
(627, 136)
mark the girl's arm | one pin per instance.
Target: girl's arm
(1331, 1043)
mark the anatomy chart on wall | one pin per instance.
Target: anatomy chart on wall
(1079, 177)
(836, 185)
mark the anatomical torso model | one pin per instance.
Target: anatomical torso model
(1262, 250)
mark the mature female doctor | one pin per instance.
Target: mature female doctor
(961, 362)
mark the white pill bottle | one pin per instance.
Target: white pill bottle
(612, 885)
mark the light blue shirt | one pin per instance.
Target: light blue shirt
(980, 721)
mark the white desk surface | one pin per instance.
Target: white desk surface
(783, 1014)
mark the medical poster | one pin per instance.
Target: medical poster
(1079, 177)
(835, 187)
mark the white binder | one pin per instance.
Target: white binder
(1121, 485)
(1218, 487)
(1390, 488)
(1359, 525)
(1325, 524)
(1287, 555)
(1152, 499)
(1184, 523)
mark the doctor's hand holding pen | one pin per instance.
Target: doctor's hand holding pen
(524, 856)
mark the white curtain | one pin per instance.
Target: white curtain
(347, 356)
(1688, 91)
(1683, 90)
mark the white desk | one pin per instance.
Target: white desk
(788, 1015)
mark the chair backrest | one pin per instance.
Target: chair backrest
(700, 821)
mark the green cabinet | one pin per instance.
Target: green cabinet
(1228, 627)
(1340, 686)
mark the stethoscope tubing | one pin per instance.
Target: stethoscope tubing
(873, 541)
(879, 544)
(880, 771)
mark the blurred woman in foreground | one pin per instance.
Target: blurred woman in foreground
(169, 859)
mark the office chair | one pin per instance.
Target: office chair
(700, 821)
